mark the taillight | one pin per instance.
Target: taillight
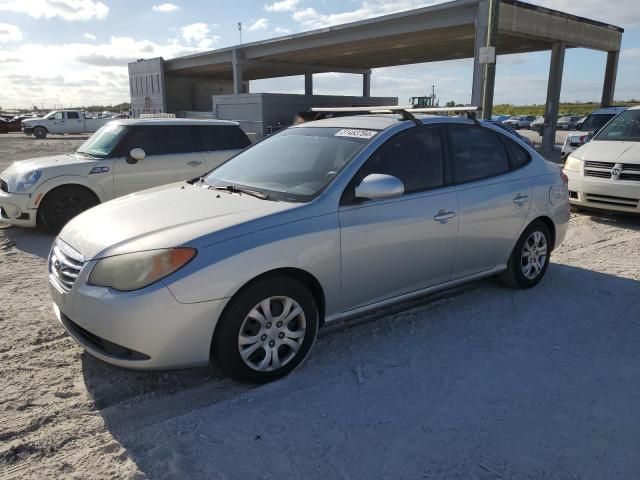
(564, 178)
(584, 138)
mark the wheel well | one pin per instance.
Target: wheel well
(41, 126)
(60, 187)
(552, 229)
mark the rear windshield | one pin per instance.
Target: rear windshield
(624, 128)
(295, 164)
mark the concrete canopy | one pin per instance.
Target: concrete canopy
(440, 32)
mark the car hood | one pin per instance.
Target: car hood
(42, 163)
(168, 216)
(609, 151)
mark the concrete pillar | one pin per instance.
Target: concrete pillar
(610, 74)
(481, 25)
(308, 83)
(553, 96)
(490, 66)
(366, 84)
(238, 84)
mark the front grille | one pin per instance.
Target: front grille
(635, 177)
(599, 165)
(573, 194)
(633, 167)
(4, 186)
(597, 173)
(611, 200)
(65, 265)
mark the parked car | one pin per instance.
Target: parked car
(537, 125)
(11, 124)
(61, 122)
(568, 122)
(604, 174)
(313, 224)
(591, 124)
(123, 157)
(499, 118)
(508, 128)
(518, 122)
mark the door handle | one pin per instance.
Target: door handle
(520, 199)
(194, 163)
(443, 216)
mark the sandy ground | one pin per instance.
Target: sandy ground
(481, 383)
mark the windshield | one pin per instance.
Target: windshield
(295, 164)
(49, 115)
(624, 128)
(104, 141)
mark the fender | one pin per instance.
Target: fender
(46, 187)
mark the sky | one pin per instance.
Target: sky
(75, 52)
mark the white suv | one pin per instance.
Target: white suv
(123, 157)
(605, 173)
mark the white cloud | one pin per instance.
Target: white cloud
(281, 31)
(9, 33)
(631, 54)
(89, 36)
(282, 6)
(198, 34)
(623, 13)
(165, 7)
(260, 24)
(65, 9)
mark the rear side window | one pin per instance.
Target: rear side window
(73, 115)
(476, 153)
(519, 156)
(222, 137)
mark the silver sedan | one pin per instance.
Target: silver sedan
(321, 221)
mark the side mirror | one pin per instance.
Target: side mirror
(377, 186)
(136, 155)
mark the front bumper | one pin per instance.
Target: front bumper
(146, 329)
(15, 208)
(603, 194)
(27, 130)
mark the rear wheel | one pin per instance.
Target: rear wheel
(267, 330)
(64, 203)
(40, 132)
(530, 257)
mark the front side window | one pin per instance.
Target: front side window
(476, 153)
(415, 158)
(179, 139)
(624, 128)
(58, 116)
(149, 138)
(294, 164)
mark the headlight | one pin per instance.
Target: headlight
(133, 271)
(573, 164)
(26, 180)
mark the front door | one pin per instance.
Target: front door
(396, 246)
(171, 156)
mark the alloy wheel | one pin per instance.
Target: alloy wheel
(272, 333)
(534, 255)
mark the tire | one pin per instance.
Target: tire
(244, 318)
(40, 132)
(62, 204)
(523, 276)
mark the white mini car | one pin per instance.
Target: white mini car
(605, 173)
(123, 157)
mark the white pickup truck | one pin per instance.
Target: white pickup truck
(60, 122)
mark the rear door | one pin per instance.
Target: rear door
(220, 142)
(396, 246)
(171, 155)
(74, 122)
(494, 198)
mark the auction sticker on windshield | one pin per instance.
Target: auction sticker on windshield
(355, 133)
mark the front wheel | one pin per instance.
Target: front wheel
(40, 132)
(64, 203)
(266, 331)
(530, 257)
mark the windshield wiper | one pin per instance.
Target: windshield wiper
(84, 154)
(236, 189)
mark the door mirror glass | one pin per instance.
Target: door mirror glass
(135, 155)
(377, 186)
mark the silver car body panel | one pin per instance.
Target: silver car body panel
(363, 256)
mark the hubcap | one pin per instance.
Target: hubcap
(534, 255)
(272, 333)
